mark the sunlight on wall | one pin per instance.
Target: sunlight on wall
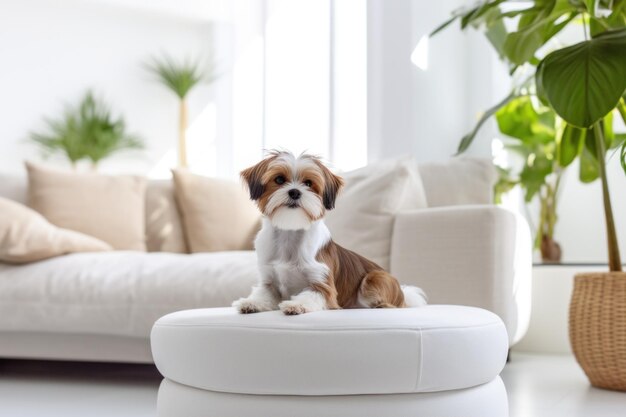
(499, 154)
(162, 169)
(514, 199)
(298, 76)
(248, 105)
(201, 135)
(297, 80)
(201, 151)
(349, 84)
(419, 56)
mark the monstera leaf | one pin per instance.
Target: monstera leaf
(570, 145)
(520, 119)
(584, 82)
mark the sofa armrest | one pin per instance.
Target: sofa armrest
(470, 255)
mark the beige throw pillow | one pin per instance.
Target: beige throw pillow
(362, 220)
(26, 236)
(217, 214)
(164, 228)
(110, 208)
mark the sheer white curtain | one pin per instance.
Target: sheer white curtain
(294, 77)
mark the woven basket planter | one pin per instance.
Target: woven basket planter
(597, 327)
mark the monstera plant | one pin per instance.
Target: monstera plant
(585, 84)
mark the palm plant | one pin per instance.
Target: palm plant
(86, 131)
(180, 78)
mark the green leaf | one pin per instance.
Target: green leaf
(584, 82)
(521, 46)
(618, 140)
(589, 170)
(520, 119)
(536, 26)
(570, 145)
(591, 7)
(443, 26)
(607, 129)
(534, 174)
(506, 182)
(179, 77)
(623, 156)
(496, 34)
(476, 15)
(86, 131)
(467, 140)
(597, 26)
(617, 18)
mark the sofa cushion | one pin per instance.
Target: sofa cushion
(217, 214)
(118, 293)
(110, 208)
(164, 229)
(333, 352)
(458, 181)
(26, 236)
(362, 220)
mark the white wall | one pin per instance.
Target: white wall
(51, 52)
(581, 228)
(426, 112)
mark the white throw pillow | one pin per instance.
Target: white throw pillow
(362, 220)
(458, 181)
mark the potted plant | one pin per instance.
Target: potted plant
(532, 131)
(584, 84)
(86, 131)
(180, 78)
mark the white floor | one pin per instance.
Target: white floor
(49, 389)
(538, 386)
(554, 386)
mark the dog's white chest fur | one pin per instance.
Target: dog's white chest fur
(287, 257)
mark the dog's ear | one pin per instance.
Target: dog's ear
(253, 177)
(332, 185)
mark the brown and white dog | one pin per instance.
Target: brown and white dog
(301, 268)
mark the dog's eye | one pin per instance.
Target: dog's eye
(308, 183)
(279, 180)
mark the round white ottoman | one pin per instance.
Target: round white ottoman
(431, 361)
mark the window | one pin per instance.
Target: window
(295, 79)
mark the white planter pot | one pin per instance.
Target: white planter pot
(551, 294)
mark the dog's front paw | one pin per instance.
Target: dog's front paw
(246, 306)
(292, 308)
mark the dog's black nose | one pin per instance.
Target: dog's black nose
(294, 194)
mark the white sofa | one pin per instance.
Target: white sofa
(101, 306)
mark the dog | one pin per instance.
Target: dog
(301, 269)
